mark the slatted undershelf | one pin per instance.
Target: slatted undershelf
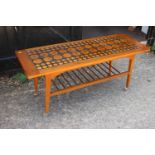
(84, 77)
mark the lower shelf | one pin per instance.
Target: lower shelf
(84, 77)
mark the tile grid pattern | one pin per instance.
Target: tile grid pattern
(56, 55)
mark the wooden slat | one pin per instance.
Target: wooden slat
(114, 68)
(99, 65)
(85, 77)
(87, 84)
(75, 73)
(93, 72)
(66, 80)
(75, 82)
(85, 69)
(99, 71)
(83, 74)
(107, 68)
(62, 84)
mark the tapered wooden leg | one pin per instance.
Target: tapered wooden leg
(36, 86)
(110, 67)
(47, 92)
(130, 68)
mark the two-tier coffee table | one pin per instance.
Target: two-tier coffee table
(77, 64)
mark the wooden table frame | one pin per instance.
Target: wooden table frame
(49, 78)
(51, 74)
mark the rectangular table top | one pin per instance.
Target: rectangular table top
(57, 58)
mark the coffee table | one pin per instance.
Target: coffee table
(77, 64)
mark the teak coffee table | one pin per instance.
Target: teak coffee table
(77, 64)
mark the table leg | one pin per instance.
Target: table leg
(110, 67)
(36, 86)
(130, 68)
(47, 92)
